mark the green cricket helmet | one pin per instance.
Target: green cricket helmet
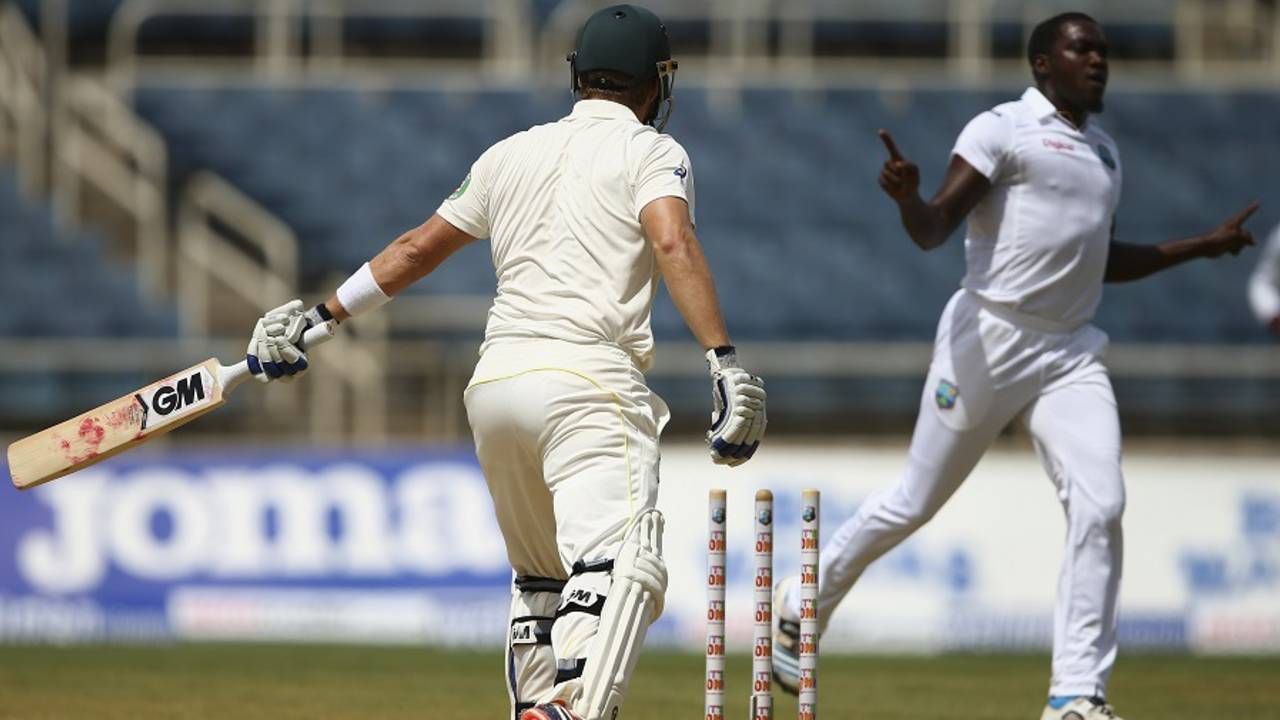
(631, 40)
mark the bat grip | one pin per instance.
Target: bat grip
(318, 335)
(232, 376)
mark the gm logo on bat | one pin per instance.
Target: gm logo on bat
(172, 398)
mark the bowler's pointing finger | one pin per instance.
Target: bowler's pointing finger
(1245, 214)
(892, 147)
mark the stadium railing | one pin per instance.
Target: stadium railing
(279, 28)
(100, 142)
(441, 367)
(23, 121)
(100, 150)
(229, 243)
(728, 43)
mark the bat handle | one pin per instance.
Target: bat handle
(319, 335)
(232, 376)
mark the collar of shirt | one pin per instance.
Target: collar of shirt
(602, 109)
(1043, 110)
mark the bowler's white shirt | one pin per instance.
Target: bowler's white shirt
(1264, 286)
(561, 203)
(1037, 243)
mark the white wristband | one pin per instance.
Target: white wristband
(360, 293)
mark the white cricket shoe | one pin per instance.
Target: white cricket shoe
(786, 640)
(1081, 708)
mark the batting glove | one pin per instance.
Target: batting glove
(738, 419)
(274, 351)
(297, 326)
(299, 323)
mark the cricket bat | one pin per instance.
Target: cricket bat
(132, 420)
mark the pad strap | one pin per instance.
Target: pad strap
(531, 663)
(532, 583)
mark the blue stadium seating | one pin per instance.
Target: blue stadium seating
(89, 20)
(84, 17)
(803, 243)
(62, 281)
(55, 283)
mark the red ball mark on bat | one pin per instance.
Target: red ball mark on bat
(77, 459)
(128, 416)
(70, 455)
(67, 453)
(92, 433)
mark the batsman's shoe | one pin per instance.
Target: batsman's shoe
(786, 640)
(549, 711)
(1078, 708)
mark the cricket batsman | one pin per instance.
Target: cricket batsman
(1264, 286)
(1039, 182)
(584, 216)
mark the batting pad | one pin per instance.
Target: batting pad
(531, 665)
(635, 601)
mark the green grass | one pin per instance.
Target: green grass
(243, 681)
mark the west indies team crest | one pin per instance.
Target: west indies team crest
(1104, 154)
(946, 394)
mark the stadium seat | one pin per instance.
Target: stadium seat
(788, 182)
(89, 295)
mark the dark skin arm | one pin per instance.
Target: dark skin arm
(930, 223)
(1127, 262)
(409, 258)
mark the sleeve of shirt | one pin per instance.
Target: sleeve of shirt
(468, 207)
(665, 171)
(985, 143)
(1264, 286)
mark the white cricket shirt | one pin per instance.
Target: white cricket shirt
(561, 203)
(1264, 286)
(1037, 243)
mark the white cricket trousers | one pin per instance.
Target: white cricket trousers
(567, 438)
(990, 366)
